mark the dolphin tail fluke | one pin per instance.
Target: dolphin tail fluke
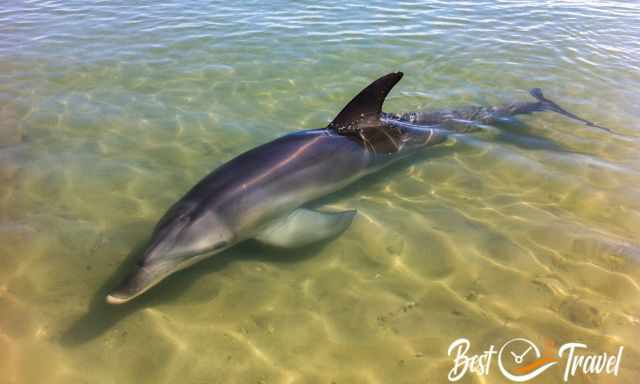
(305, 226)
(548, 105)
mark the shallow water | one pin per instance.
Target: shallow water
(109, 112)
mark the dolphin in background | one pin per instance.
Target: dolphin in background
(261, 194)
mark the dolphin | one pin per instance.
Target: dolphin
(263, 194)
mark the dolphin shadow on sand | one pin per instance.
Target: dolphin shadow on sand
(513, 131)
(101, 316)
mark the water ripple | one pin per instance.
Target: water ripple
(110, 110)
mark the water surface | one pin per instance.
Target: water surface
(110, 111)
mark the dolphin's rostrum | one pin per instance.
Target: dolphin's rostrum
(261, 194)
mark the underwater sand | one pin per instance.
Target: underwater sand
(110, 112)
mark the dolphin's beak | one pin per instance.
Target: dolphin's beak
(139, 281)
(170, 250)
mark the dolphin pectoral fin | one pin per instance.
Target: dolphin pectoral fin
(305, 226)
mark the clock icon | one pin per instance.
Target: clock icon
(520, 360)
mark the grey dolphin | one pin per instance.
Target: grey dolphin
(467, 118)
(261, 193)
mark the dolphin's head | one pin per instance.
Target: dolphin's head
(183, 237)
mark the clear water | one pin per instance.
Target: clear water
(110, 111)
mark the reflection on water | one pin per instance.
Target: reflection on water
(109, 112)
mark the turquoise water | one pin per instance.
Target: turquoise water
(110, 111)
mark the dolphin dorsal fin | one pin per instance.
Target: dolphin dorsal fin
(364, 109)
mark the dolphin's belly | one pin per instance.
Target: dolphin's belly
(274, 178)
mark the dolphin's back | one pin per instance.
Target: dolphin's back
(284, 173)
